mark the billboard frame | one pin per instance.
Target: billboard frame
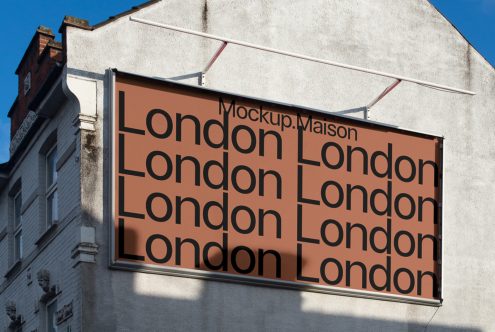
(110, 77)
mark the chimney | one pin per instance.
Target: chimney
(75, 22)
(40, 58)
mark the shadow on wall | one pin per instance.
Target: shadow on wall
(187, 304)
(117, 300)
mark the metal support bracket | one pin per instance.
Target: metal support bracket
(202, 79)
(380, 97)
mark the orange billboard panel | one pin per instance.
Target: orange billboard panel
(210, 184)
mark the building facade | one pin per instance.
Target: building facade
(54, 220)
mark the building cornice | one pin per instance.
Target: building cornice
(22, 133)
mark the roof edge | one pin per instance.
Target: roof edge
(127, 12)
(84, 24)
(75, 22)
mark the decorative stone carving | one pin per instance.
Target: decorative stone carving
(64, 314)
(44, 282)
(11, 310)
(21, 132)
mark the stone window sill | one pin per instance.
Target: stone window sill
(46, 235)
(13, 269)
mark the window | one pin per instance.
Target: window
(48, 187)
(17, 226)
(27, 83)
(51, 187)
(51, 316)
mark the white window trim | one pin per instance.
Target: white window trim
(50, 190)
(14, 199)
(17, 228)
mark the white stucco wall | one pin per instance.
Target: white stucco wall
(407, 37)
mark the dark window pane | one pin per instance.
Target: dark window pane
(18, 246)
(17, 209)
(52, 208)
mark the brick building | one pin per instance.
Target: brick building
(54, 233)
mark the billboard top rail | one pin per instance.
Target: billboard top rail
(302, 108)
(305, 57)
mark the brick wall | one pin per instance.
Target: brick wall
(39, 59)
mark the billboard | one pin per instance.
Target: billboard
(214, 185)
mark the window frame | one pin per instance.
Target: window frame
(17, 223)
(27, 83)
(51, 190)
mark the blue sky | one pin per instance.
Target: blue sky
(19, 19)
(475, 19)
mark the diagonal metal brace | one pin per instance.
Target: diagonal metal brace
(211, 62)
(383, 94)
